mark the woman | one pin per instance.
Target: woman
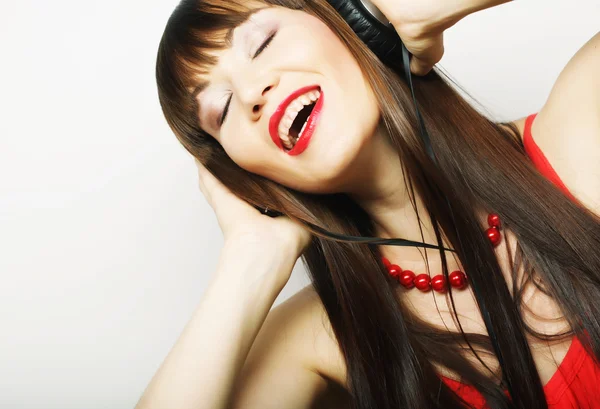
(381, 326)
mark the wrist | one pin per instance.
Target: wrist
(255, 266)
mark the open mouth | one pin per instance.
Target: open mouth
(299, 124)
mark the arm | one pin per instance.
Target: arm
(567, 127)
(207, 368)
(458, 9)
(421, 25)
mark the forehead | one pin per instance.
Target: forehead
(227, 37)
(205, 95)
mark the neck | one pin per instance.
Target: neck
(378, 186)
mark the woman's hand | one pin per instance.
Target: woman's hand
(421, 25)
(241, 223)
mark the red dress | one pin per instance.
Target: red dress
(576, 383)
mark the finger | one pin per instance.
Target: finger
(206, 183)
(217, 194)
(200, 170)
(208, 180)
(419, 67)
(210, 183)
(214, 190)
(426, 52)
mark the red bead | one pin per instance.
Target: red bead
(458, 279)
(494, 221)
(386, 261)
(407, 278)
(422, 282)
(438, 283)
(394, 270)
(494, 235)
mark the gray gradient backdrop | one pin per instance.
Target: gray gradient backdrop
(106, 243)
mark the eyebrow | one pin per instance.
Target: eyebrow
(228, 43)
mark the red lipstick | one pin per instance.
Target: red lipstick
(310, 125)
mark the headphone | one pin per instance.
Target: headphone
(373, 28)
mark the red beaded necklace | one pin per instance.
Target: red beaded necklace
(458, 279)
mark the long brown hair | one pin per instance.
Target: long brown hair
(389, 352)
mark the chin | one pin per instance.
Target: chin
(331, 169)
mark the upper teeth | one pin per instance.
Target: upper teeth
(290, 114)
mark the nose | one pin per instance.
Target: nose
(255, 98)
(258, 107)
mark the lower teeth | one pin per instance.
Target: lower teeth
(292, 140)
(293, 143)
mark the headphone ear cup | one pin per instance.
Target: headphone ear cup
(381, 38)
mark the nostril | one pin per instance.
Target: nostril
(255, 109)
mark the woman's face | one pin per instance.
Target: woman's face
(302, 51)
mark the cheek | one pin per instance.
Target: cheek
(322, 45)
(246, 149)
(353, 108)
(240, 152)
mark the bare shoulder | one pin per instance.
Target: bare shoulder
(311, 335)
(293, 362)
(567, 127)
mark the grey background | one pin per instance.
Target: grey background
(106, 243)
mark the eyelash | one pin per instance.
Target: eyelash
(262, 47)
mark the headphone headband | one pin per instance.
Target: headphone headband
(375, 12)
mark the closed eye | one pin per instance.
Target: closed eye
(265, 44)
(262, 47)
